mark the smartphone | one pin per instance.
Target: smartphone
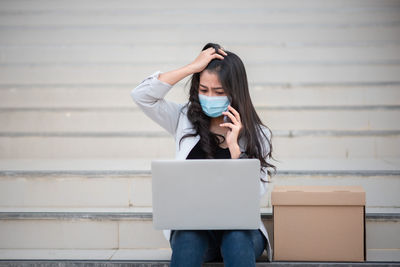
(226, 118)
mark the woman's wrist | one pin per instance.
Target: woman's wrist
(174, 76)
(190, 69)
(235, 151)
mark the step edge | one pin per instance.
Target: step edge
(140, 215)
(41, 173)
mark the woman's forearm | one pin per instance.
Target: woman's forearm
(174, 76)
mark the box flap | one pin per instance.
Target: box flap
(317, 195)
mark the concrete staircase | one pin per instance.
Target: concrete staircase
(75, 151)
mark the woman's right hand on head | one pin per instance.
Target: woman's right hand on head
(204, 58)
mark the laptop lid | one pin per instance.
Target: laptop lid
(206, 194)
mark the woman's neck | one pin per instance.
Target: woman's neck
(215, 122)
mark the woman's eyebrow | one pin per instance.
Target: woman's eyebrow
(211, 88)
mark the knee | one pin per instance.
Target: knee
(236, 240)
(236, 236)
(237, 244)
(189, 237)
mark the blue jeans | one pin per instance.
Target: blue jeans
(239, 248)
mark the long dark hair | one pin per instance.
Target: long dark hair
(233, 78)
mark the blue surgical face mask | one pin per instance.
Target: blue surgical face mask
(213, 106)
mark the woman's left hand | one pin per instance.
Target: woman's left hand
(234, 129)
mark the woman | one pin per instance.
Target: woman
(219, 121)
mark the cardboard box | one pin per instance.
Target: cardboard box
(319, 223)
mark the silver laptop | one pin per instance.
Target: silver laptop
(206, 194)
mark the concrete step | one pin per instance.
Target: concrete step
(277, 32)
(284, 3)
(124, 73)
(132, 15)
(286, 144)
(116, 97)
(138, 54)
(288, 24)
(126, 13)
(163, 263)
(107, 121)
(126, 183)
(113, 235)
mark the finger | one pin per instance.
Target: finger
(223, 52)
(237, 115)
(230, 115)
(227, 124)
(233, 118)
(218, 56)
(210, 50)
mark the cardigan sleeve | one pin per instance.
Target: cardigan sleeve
(149, 96)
